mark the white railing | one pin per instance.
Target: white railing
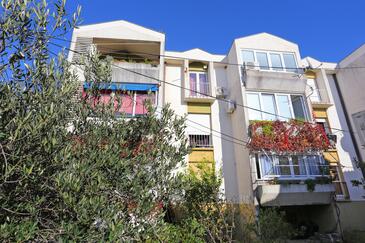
(124, 76)
(201, 90)
(200, 141)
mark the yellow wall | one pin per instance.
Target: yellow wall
(199, 108)
(310, 74)
(201, 155)
(320, 113)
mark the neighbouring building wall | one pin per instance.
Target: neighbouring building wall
(239, 121)
(223, 145)
(351, 81)
(345, 147)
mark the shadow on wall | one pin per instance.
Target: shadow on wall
(351, 172)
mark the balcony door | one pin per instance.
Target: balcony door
(198, 84)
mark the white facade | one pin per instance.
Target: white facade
(193, 81)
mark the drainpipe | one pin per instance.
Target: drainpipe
(351, 130)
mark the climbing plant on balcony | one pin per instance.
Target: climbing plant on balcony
(287, 137)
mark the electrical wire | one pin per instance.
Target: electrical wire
(197, 92)
(176, 57)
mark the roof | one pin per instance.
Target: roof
(353, 56)
(121, 28)
(195, 54)
(265, 35)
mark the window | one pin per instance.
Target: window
(298, 107)
(129, 103)
(199, 84)
(262, 60)
(276, 61)
(199, 135)
(248, 56)
(253, 101)
(290, 166)
(290, 63)
(275, 106)
(284, 107)
(269, 106)
(267, 60)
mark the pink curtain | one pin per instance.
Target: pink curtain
(140, 102)
(193, 84)
(127, 103)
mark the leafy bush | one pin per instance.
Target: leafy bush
(273, 227)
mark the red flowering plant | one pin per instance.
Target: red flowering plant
(287, 137)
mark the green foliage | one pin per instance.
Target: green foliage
(64, 175)
(311, 185)
(273, 226)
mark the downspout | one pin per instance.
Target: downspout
(351, 130)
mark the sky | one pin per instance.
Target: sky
(327, 30)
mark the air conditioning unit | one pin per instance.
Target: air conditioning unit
(231, 106)
(220, 92)
(251, 65)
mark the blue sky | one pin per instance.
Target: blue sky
(325, 30)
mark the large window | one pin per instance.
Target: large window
(131, 103)
(266, 60)
(291, 167)
(266, 106)
(199, 84)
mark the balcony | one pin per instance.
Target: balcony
(294, 194)
(287, 137)
(198, 87)
(119, 75)
(257, 79)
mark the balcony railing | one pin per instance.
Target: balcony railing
(200, 141)
(121, 75)
(198, 85)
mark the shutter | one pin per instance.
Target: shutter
(198, 124)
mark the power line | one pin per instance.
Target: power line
(170, 56)
(197, 92)
(244, 143)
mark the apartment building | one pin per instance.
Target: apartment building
(350, 76)
(270, 121)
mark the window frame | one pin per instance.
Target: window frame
(198, 92)
(275, 162)
(270, 68)
(278, 113)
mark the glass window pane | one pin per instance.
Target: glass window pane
(268, 105)
(290, 63)
(298, 165)
(262, 60)
(284, 107)
(313, 162)
(126, 105)
(193, 84)
(203, 83)
(284, 166)
(266, 165)
(253, 101)
(276, 61)
(248, 56)
(298, 107)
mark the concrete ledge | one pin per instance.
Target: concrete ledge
(294, 194)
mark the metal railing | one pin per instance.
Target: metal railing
(120, 75)
(198, 90)
(200, 141)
